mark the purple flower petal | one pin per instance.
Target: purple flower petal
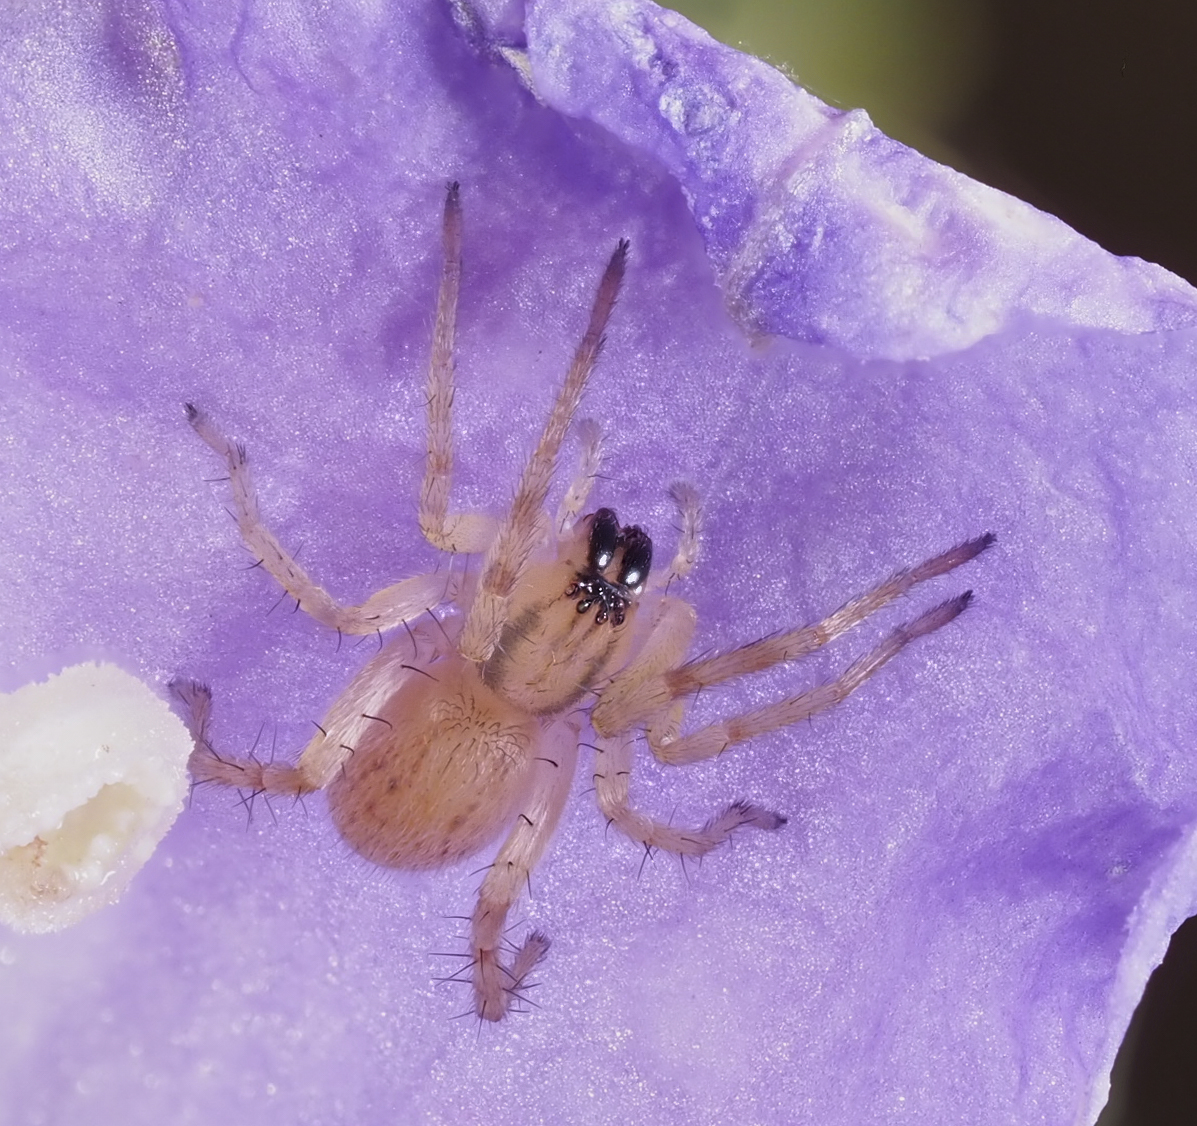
(988, 846)
(820, 227)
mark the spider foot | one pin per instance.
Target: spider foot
(205, 765)
(741, 813)
(496, 986)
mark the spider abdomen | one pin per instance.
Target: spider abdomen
(437, 776)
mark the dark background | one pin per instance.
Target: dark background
(1089, 111)
(1085, 108)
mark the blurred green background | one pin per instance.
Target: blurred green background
(1087, 109)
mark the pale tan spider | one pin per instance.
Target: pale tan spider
(463, 726)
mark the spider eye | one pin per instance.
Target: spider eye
(604, 538)
(637, 559)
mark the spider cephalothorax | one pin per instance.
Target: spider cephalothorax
(617, 566)
(466, 724)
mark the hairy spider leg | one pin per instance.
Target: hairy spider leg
(612, 778)
(522, 527)
(663, 648)
(713, 740)
(638, 697)
(496, 985)
(666, 644)
(401, 602)
(454, 532)
(351, 715)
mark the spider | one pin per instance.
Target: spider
(464, 726)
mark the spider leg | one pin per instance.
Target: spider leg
(454, 532)
(590, 458)
(206, 765)
(663, 648)
(496, 984)
(634, 699)
(384, 610)
(612, 776)
(353, 713)
(707, 742)
(522, 527)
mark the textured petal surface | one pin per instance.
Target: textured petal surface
(988, 847)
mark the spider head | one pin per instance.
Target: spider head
(617, 564)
